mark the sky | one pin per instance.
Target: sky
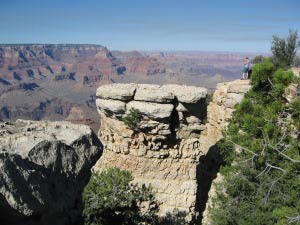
(150, 25)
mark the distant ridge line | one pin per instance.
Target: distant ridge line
(62, 45)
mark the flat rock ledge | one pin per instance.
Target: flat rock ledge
(44, 168)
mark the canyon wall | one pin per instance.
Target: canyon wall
(170, 147)
(219, 111)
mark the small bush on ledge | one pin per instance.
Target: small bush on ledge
(132, 119)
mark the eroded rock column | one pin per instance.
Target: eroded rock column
(164, 148)
(171, 148)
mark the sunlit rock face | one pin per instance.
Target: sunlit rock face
(44, 168)
(219, 111)
(162, 151)
(169, 147)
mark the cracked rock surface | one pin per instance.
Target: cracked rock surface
(44, 168)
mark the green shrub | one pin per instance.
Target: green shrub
(110, 198)
(261, 173)
(258, 59)
(283, 77)
(245, 106)
(295, 111)
(132, 119)
(262, 75)
(284, 50)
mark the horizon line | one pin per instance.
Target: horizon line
(139, 50)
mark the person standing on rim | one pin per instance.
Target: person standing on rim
(246, 68)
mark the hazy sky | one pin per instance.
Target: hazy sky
(212, 25)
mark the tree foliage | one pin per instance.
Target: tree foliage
(261, 149)
(132, 119)
(284, 50)
(110, 198)
(258, 59)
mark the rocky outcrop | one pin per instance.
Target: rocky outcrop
(171, 147)
(164, 150)
(291, 92)
(44, 168)
(220, 109)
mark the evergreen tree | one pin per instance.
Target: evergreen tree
(262, 155)
(284, 50)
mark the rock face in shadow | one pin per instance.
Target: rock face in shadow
(44, 168)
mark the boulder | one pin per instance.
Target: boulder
(186, 94)
(233, 99)
(181, 108)
(152, 110)
(153, 93)
(238, 86)
(193, 120)
(122, 92)
(44, 168)
(107, 105)
(291, 92)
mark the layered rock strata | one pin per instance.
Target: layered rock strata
(44, 168)
(171, 142)
(220, 109)
(163, 149)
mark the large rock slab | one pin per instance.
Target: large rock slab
(186, 94)
(113, 106)
(152, 110)
(116, 91)
(153, 93)
(238, 86)
(44, 168)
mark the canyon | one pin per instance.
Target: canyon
(59, 81)
(172, 148)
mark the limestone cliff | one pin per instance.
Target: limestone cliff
(171, 142)
(220, 109)
(44, 168)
